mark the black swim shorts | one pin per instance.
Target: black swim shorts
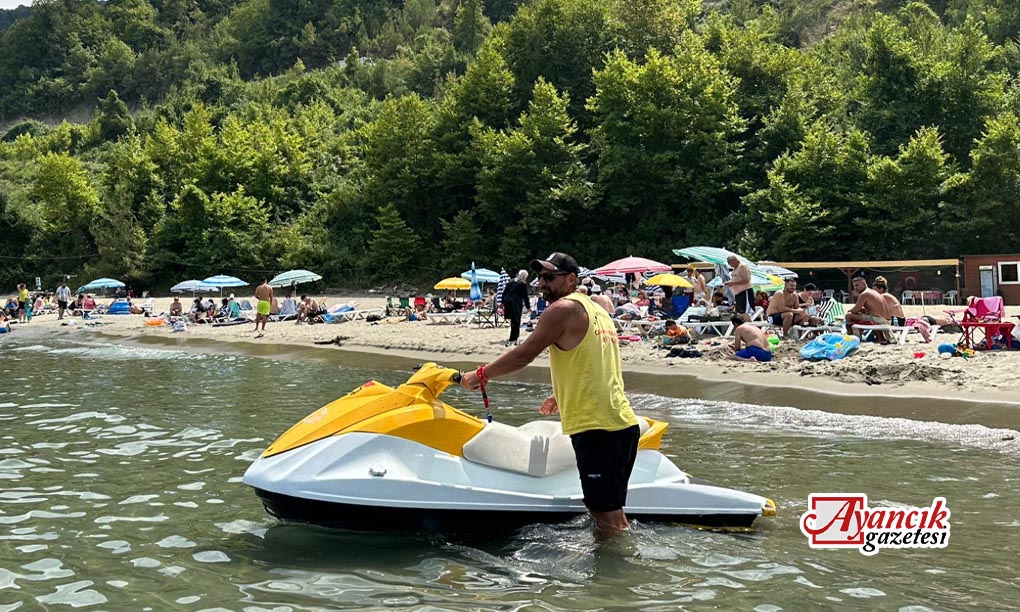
(605, 460)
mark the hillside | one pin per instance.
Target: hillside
(402, 140)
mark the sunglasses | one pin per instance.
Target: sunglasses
(551, 276)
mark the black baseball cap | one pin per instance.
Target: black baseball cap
(557, 262)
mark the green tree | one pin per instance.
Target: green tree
(470, 25)
(989, 194)
(905, 200)
(112, 117)
(814, 198)
(531, 181)
(64, 194)
(667, 144)
(563, 41)
(392, 247)
(462, 242)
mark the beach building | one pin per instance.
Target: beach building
(988, 275)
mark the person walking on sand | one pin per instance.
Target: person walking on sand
(63, 298)
(23, 304)
(584, 360)
(264, 295)
(756, 346)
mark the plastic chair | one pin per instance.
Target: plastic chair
(950, 297)
(907, 297)
(828, 294)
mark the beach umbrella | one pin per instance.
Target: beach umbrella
(718, 257)
(770, 268)
(101, 283)
(293, 277)
(632, 264)
(222, 280)
(476, 289)
(669, 280)
(453, 283)
(775, 284)
(481, 275)
(192, 286)
(504, 278)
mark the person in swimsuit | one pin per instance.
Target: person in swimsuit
(264, 295)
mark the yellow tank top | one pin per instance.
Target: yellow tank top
(587, 380)
(23, 295)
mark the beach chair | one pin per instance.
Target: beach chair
(950, 297)
(907, 297)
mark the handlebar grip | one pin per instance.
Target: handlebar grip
(456, 378)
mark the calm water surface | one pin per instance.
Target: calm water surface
(120, 489)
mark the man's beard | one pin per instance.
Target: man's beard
(551, 296)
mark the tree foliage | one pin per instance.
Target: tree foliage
(387, 141)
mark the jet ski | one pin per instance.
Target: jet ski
(384, 458)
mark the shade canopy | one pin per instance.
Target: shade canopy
(294, 277)
(222, 280)
(669, 280)
(775, 284)
(632, 265)
(192, 286)
(769, 267)
(483, 275)
(453, 283)
(101, 283)
(718, 257)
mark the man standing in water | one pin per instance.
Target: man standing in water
(264, 295)
(584, 359)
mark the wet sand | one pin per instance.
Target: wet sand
(877, 380)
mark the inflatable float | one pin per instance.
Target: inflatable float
(830, 346)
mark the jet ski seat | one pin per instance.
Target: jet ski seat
(537, 449)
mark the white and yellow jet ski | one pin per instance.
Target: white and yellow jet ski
(381, 458)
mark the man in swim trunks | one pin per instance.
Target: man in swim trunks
(264, 295)
(756, 347)
(784, 308)
(584, 359)
(870, 308)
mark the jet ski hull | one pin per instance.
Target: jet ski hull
(381, 518)
(376, 482)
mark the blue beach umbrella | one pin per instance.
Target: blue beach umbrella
(483, 275)
(101, 283)
(222, 280)
(476, 287)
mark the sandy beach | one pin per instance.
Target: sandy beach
(891, 370)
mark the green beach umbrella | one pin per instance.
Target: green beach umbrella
(294, 277)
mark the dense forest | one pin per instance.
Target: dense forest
(381, 140)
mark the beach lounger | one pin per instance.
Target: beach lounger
(898, 332)
(807, 332)
(449, 318)
(718, 327)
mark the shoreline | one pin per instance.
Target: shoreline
(877, 380)
(703, 381)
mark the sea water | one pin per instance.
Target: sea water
(120, 489)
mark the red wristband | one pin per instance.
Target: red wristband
(482, 378)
